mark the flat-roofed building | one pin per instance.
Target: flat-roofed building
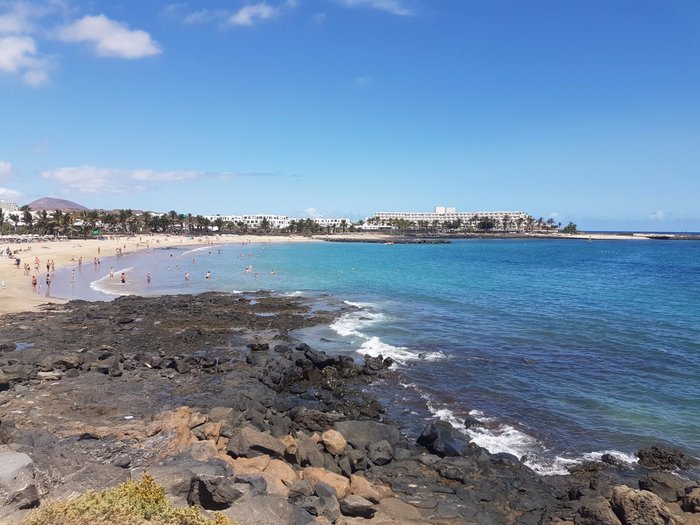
(446, 216)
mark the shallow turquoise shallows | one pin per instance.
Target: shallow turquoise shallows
(562, 349)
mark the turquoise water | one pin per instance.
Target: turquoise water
(564, 349)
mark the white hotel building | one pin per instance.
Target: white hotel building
(444, 214)
(8, 206)
(278, 221)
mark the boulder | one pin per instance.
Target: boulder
(249, 442)
(596, 511)
(267, 510)
(664, 458)
(279, 372)
(315, 475)
(357, 506)
(308, 453)
(361, 433)
(320, 359)
(359, 486)
(691, 500)
(437, 438)
(334, 442)
(381, 452)
(214, 493)
(640, 507)
(667, 486)
(17, 486)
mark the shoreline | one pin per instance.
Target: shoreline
(213, 385)
(16, 293)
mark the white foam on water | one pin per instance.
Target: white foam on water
(109, 285)
(359, 305)
(620, 456)
(200, 249)
(351, 325)
(295, 293)
(500, 437)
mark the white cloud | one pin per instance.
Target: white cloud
(110, 38)
(313, 213)
(17, 18)
(16, 53)
(35, 77)
(395, 7)
(5, 170)
(657, 216)
(93, 179)
(6, 194)
(248, 15)
(291, 4)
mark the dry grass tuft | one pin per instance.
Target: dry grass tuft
(141, 502)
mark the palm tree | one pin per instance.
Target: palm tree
(27, 217)
(173, 219)
(14, 218)
(2, 219)
(343, 225)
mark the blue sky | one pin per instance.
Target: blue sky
(584, 110)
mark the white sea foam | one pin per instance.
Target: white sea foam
(620, 456)
(359, 305)
(500, 437)
(111, 285)
(200, 249)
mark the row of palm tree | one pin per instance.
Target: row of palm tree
(91, 222)
(95, 222)
(476, 223)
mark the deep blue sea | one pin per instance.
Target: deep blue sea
(565, 349)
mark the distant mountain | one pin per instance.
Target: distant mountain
(50, 204)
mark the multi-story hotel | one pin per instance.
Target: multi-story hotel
(278, 221)
(501, 219)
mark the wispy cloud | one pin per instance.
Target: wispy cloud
(19, 55)
(364, 80)
(6, 194)
(395, 7)
(110, 38)
(313, 213)
(250, 14)
(5, 170)
(318, 18)
(657, 216)
(19, 52)
(93, 179)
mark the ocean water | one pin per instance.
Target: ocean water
(564, 349)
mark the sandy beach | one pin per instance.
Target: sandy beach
(16, 294)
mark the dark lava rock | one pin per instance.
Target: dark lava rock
(357, 506)
(666, 486)
(663, 458)
(381, 452)
(213, 493)
(470, 422)
(596, 511)
(259, 347)
(361, 433)
(437, 438)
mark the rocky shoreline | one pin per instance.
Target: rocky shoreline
(212, 397)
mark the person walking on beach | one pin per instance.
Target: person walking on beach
(34, 283)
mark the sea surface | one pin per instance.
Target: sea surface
(564, 349)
